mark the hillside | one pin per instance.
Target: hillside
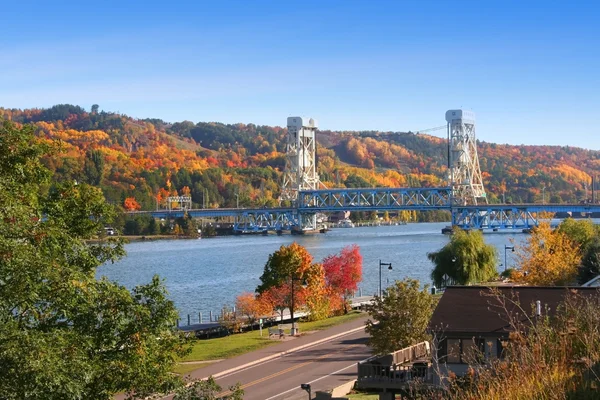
(149, 159)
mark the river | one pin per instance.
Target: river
(202, 275)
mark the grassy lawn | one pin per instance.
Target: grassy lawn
(329, 322)
(234, 345)
(229, 346)
(183, 369)
(363, 396)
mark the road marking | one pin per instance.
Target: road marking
(252, 364)
(318, 379)
(285, 371)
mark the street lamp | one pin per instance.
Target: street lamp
(389, 265)
(293, 330)
(512, 248)
(306, 386)
(237, 200)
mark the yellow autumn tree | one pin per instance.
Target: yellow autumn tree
(549, 258)
(318, 298)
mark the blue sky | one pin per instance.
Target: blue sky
(530, 70)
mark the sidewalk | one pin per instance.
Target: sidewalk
(256, 357)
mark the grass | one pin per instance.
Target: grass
(183, 369)
(362, 396)
(329, 322)
(235, 345)
(229, 346)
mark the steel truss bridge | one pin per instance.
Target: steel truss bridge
(485, 216)
(464, 198)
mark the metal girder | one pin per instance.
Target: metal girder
(373, 199)
(264, 220)
(300, 170)
(465, 174)
(490, 218)
(504, 216)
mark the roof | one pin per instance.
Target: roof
(594, 282)
(472, 309)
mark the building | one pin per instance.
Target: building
(470, 321)
(467, 327)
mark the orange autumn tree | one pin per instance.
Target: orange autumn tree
(549, 258)
(252, 307)
(131, 204)
(290, 265)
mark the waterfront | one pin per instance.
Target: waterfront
(203, 275)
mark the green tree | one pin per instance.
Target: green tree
(287, 262)
(153, 227)
(399, 317)
(355, 181)
(581, 232)
(93, 167)
(63, 333)
(590, 263)
(465, 259)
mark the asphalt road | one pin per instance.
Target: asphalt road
(324, 366)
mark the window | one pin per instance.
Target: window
(453, 351)
(461, 351)
(472, 351)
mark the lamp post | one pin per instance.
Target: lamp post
(512, 248)
(293, 330)
(237, 200)
(389, 265)
(306, 386)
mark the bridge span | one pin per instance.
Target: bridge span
(483, 216)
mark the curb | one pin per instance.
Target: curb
(283, 353)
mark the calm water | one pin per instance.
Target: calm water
(205, 274)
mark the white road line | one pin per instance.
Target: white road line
(252, 364)
(316, 380)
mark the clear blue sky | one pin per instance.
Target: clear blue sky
(529, 69)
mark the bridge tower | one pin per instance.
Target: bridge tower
(300, 167)
(300, 162)
(463, 162)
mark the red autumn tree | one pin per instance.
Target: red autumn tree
(280, 297)
(343, 272)
(131, 204)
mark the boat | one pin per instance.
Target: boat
(345, 223)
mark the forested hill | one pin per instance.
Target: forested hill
(142, 161)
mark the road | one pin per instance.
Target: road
(323, 366)
(325, 359)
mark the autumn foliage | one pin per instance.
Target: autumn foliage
(343, 272)
(322, 288)
(548, 258)
(129, 157)
(130, 204)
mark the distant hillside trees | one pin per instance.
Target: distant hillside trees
(128, 157)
